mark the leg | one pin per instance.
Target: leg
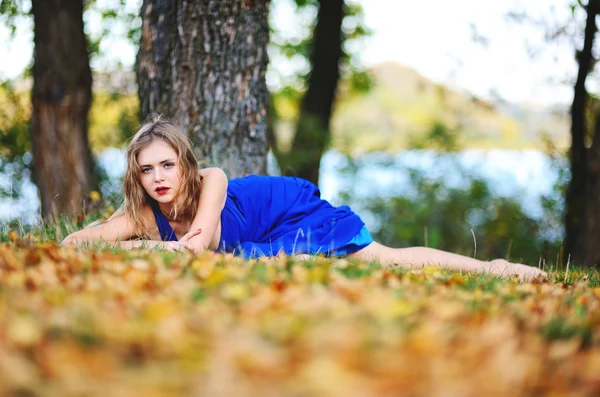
(417, 257)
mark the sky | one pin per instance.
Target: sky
(434, 37)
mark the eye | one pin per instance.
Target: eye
(146, 170)
(169, 165)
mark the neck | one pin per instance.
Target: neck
(166, 209)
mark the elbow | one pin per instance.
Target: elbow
(197, 248)
(69, 240)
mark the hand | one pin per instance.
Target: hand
(184, 243)
(505, 268)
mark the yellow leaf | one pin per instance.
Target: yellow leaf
(94, 196)
(457, 279)
(235, 291)
(158, 310)
(432, 271)
(562, 349)
(24, 331)
(317, 275)
(13, 236)
(203, 267)
(402, 308)
(216, 277)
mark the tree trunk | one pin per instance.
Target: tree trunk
(62, 85)
(592, 208)
(313, 129)
(202, 64)
(575, 217)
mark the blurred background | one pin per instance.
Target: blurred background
(467, 126)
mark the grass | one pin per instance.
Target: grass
(104, 321)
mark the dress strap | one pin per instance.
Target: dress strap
(164, 228)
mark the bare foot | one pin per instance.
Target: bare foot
(505, 268)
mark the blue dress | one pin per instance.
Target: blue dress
(264, 215)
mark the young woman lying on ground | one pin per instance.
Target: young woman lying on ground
(171, 203)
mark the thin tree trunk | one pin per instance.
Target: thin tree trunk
(62, 84)
(313, 128)
(203, 65)
(576, 192)
(592, 208)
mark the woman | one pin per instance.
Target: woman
(172, 204)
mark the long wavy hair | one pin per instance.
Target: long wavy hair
(190, 181)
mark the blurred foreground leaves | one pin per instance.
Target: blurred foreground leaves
(104, 322)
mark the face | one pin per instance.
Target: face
(159, 171)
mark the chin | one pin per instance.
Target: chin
(164, 199)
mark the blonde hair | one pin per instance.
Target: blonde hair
(190, 180)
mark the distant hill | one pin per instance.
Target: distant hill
(405, 109)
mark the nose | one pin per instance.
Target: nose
(158, 175)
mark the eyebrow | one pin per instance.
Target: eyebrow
(162, 162)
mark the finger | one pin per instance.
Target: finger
(191, 234)
(186, 247)
(181, 247)
(169, 247)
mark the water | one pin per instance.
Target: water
(524, 174)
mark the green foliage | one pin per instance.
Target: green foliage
(15, 147)
(443, 218)
(297, 48)
(10, 10)
(113, 119)
(113, 16)
(440, 137)
(15, 111)
(563, 328)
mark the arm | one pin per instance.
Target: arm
(116, 229)
(181, 245)
(212, 201)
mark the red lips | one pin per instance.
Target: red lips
(162, 190)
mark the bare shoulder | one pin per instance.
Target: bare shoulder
(213, 172)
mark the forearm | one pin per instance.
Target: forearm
(133, 244)
(127, 244)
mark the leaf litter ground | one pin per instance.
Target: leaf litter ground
(120, 323)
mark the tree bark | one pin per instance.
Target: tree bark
(202, 64)
(62, 90)
(575, 217)
(313, 133)
(592, 205)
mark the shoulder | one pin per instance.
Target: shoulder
(147, 214)
(213, 172)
